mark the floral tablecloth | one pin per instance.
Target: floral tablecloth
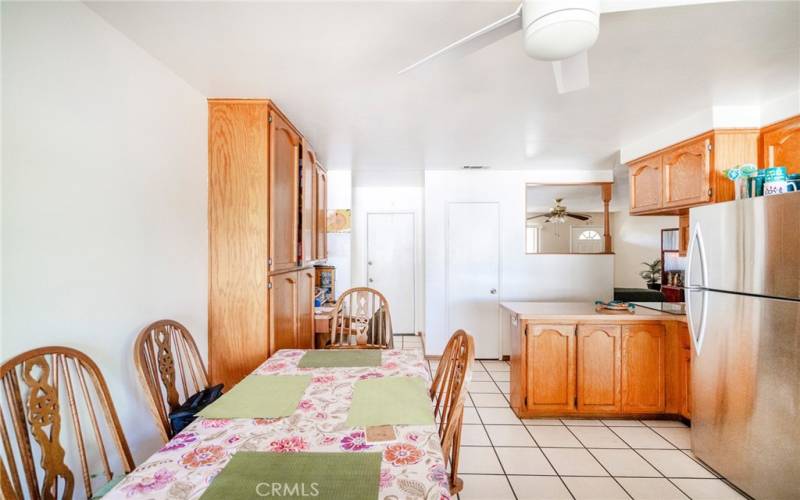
(412, 467)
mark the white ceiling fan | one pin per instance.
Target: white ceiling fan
(560, 31)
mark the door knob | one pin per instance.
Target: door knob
(493, 291)
(371, 280)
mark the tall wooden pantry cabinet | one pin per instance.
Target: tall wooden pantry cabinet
(266, 206)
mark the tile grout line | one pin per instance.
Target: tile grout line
(560, 478)
(664, 476)
(491, 443)
(534, 442)
(595, 458)
(604, 425)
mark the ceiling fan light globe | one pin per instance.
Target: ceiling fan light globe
(561, 34)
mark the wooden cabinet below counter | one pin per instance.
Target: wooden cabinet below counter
(643, 372)
(599, 368)
(599, 371)
(551, 370)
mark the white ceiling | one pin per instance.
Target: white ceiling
(331, 66)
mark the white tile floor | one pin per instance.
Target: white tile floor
(503, 457)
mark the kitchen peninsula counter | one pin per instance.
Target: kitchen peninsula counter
(569, 360)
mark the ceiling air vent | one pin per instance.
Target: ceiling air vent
(475, 167)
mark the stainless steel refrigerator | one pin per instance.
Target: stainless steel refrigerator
(743, 307)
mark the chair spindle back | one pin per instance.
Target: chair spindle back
(170, 369)
(448, 391)
(362, 311)
(43, 388)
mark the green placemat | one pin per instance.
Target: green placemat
(260, 396)
(332, 358)
(390, 400)
(300, 476)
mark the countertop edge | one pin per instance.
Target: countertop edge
(642, 314)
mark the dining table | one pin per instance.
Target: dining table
(411, 465)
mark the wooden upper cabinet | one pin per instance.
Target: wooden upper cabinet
(643, 368)
(321, 208)
(599, 368)
(551, 367)
(305, 308)
(687, 174)
(780, 145)
(284, 174)
(645, 185)
(691, 172)
(308, 173)
(284, 311)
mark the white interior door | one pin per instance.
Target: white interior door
(390, 264)
(473, 269)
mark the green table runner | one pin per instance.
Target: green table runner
(340, 358)
(390, 401)
(260, 396)
(343, 476)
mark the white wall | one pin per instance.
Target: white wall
(522, 277)
(339, 244)
(636, 239)
(103, 196)
(389, 191)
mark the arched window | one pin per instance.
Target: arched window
(589, 234)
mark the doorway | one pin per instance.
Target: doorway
(391, 270)
(473, 271)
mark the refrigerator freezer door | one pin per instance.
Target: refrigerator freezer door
(746, 393)
(750, 246)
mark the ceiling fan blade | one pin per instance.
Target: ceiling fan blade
(572, 73)
(607, 6)
(577, 216)
(537, 216)
(477, 40)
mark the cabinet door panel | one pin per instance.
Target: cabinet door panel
(284, 170)
(305, 309)
(687, 171)
(599, 368)
(645, 185)
(308, 175)
(551, 367)
(322, 214)
(781, 146)
(643, 365)
(283, 317)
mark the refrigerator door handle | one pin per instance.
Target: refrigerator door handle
(696, 279)
(697, 270)
(696, 313)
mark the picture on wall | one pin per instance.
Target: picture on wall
(339, 220)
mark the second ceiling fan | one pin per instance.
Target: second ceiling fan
(560, 31)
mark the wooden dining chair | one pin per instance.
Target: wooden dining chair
(362, 311)
(448, 391)
(170, 369)
(43, 388)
